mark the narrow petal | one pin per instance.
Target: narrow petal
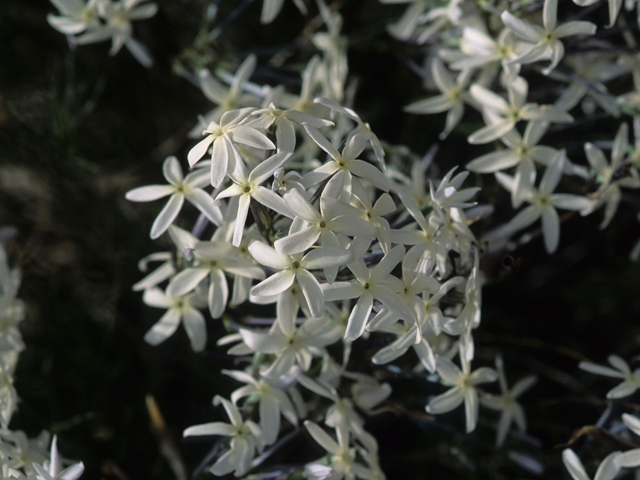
(489, 99)
(437, 104)
(268, 256)
(550, 228)
(492, 162)
(575, 28)
(322, 142)
(574, 465)
(269, 419)
(301, 207)
(186, 280)
(164, 328)
(491, 132)
(199, 150)
(623, 390)
(523, 385)
(195, 326)
(272, 200)
(450, 373)
(388, 263)
(341, 291)
(312, 292)
(549, 14)
(220, 160)
(203, 202)
(211, 87)
(155, 297)
(263, 342)
(525, 218)
(370, 173)
(298, 242)
(320, 436)
(570, 202)
(600, 370)
(632, 423)
(265, 170)
(629, 459)
(521, 28)
(446, 402)
(274, 284)
(149, 193)
(167, 215)
(324, 257)
(241, 218)
(215, 428)
(609, 467)
(471, 408)
(359, 316)
(218, 293)
(251, 137)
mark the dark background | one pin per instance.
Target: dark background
(79, 129)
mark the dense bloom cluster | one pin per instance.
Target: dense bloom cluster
(20, 457)
(310, 213)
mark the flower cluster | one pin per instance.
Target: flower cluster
(21, 458)
(100, 20)
(305, 214)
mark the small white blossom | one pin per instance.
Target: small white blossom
(620, 370)
(246, 440)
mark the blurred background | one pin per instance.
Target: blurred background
(80, 128)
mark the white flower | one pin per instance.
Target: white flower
(546, 40)
(448, 193)
(180, 188)
(273, 402)
(363, 128)
(285, 121)
(621, 370)
(223, 136)
(22, 451)
(521, 151)
(226, 98)
(482, 50)
(451, 99)
(344, 166)
(52, 470)
(424, 238)
(609, 193)
(246, 440)
(507, 404)
(213, 259)
(369, 284)
(342, 460)
(373, 214)
(179, 309)
(502, 116)
(463, 388)
(335, 217)
(118, 16)
(543, 203)
(404, 28)
(248, 186)
(76, 16)
(298, 347)
(296, 268)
